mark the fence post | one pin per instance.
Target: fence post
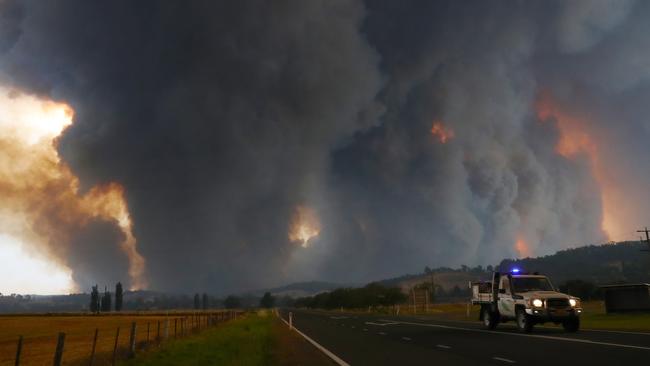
(414, 308)
(175, 326)
(158, 332)
(166, 328)
(19, 349)
(290, 320)
(147, 334)
(92, 353)
(132, 340)
(117, 336)
(58, 355)
(426, 301)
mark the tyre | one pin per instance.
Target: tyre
(571, 325)
(490, 319)
(524, 322)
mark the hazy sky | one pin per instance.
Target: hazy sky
(223, 146)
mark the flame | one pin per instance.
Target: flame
(41, 206)
(442, 133)
(575, 140)
(304, 225)
(522, 248)
(109, 202)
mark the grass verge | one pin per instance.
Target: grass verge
(254, 339)
(246, 341)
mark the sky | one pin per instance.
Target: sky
(228, 146)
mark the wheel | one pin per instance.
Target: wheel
(572, 325)
(490, 319)
(524, 322)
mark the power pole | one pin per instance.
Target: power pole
(647, 238)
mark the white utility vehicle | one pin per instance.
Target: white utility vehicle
(528, 299)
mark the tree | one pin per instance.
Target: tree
(118, 297)
(206, 301)
(267, 301)
(94, 300)
(197, 302)
(106, 301)
(232, 302)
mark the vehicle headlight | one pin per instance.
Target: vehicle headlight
(573, 302)
(538, 303)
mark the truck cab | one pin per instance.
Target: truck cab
(527, 299)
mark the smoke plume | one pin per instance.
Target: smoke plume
(257, 143)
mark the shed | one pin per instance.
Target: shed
(627, 297)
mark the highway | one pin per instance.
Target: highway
(360, 339)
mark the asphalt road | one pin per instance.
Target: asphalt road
(388, 340)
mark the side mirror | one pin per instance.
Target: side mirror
(502, 291)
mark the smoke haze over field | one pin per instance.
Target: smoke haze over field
(258, 143)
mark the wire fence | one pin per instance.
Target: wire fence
(84, 344)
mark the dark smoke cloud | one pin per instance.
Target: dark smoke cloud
(219, 118)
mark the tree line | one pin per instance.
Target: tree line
(103, 303)
(372, 294)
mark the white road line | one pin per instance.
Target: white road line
(352, 327)
(382, 324)
(329, 354)
(365, 330)
(577, 340)
(406, 338)
(549, 327)
(612, 331)
(338, 317)
(381, 333)
(443, 346)
(503, 359)
(583, 329)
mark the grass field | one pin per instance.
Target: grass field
(255, 339)
(40, 335)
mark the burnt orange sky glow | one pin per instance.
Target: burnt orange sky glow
(575, 141)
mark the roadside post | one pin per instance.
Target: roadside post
(117, 337)
(19, 349)
(290, 320)
(58, 355)
(92, 353)
(132, 340)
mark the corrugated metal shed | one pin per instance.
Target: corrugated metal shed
(627, 297)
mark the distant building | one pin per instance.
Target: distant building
(627, 297)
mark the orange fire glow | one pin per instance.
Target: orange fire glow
(441, 132)
(522, 248)
(575, 140)
(304, 225)
(41, 205)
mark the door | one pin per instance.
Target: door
(506, 303)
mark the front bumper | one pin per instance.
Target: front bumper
(544, 314)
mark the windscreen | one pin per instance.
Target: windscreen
(524, 284)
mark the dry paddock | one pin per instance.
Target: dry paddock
(40, 334)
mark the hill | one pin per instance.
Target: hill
(599, 264)
(301, 289)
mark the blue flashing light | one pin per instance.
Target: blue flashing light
(515, 270)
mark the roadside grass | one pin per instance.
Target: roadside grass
(246, 341)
